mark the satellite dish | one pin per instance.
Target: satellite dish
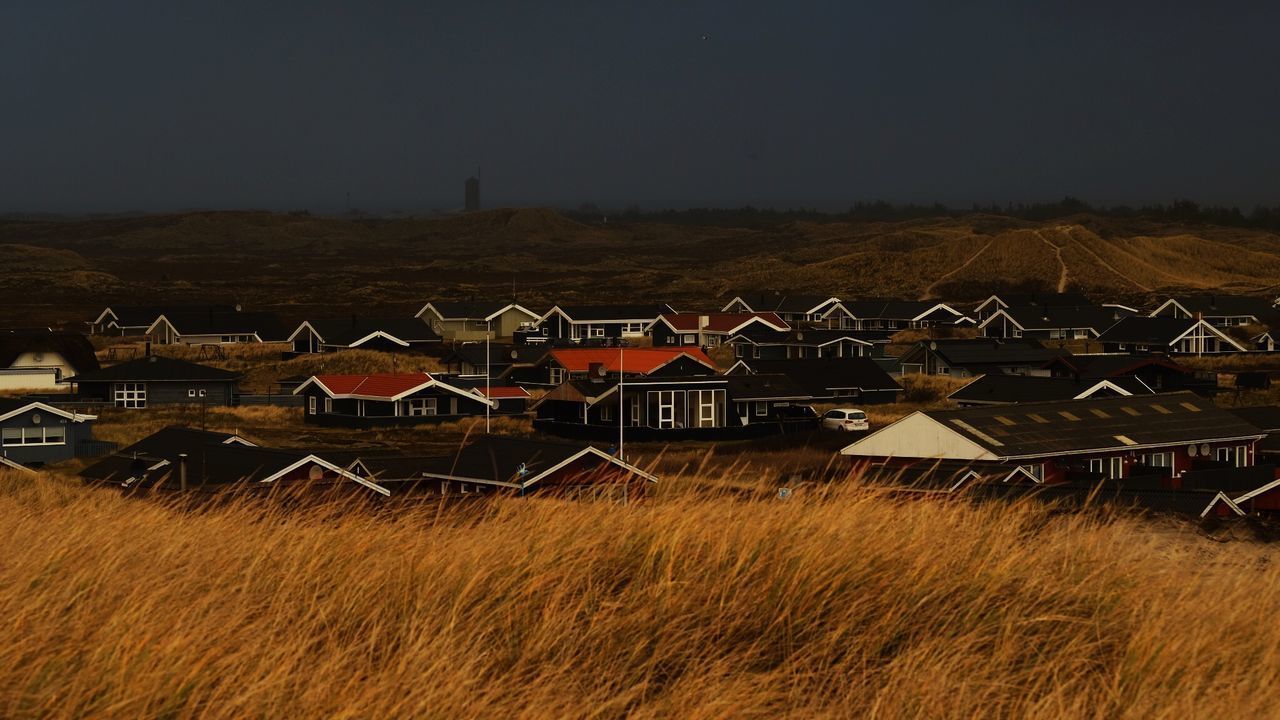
(515, 354)
(800, 336)
(601, 371)
(1204, 449)
(1191, 449)
(36, 418)
(933, 345)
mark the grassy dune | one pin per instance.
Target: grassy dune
(828, 604)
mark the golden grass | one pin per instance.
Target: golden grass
(840, 601)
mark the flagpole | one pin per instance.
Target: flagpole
(621, 406)
(488, 398)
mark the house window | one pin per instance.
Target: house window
(1111, 468)
(755, 352)
(606, 413)
(635, 411)
(191, 393)
(419, 407)
(689, 339)
(1082, 334)
(597, 332)
(665, 409)
(762, 409)
(444, 487)
(1036, 471)
(465, 488)
(708, 408)
(1055, 334)
(1017, 333)
(557, 375)
(328, 404)
(1237, 456)
(1160, 460)
(130, 395)
(42, 435)
(311, 404)
(633, 328)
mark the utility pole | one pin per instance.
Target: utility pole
(621, 405)
(488, 330)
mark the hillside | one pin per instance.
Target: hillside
(302, 263)
(827, 605)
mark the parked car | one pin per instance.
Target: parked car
(845, 419)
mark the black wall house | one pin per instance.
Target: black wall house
(858, 379)
(1000, 389)
(1219, 310)
(795, 309)
(505, 361)
(515, 466)
(561, 364)
(710, 330)
(1084, 322)
(809, 343)
(890, 316)
(385, 334)
(185, 460)
(217, 328)
(387, 399)
(1157, 372)
(135, 320)
(979, 356)
(155, 380)
(34, 434)
(585, 323)
(1171, 335)
(988, 307)
(675, 408)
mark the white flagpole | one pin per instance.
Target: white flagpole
(488, 400)
(621, 406)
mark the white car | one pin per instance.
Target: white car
(846, 419)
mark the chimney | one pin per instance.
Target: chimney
(703, 321)
(182, 472)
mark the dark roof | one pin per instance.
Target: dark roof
(499, 355)
(1033, 317)
(1070, 298)
(144, 315)
(344, 331)
(176, 439)
(1161, 331)
(614, 312)
(73, 347)
(1001, 388)
(155, 368)
(764, 387)
(1218, 305)
(807, 338)
(1266, 417)
(888, 308)
(778, 301)
(819, 376)
(469, 309)
(266, 325)
(493, 458)
(1111, 365)
(1052, 428)
(989, 351)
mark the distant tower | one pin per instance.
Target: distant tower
(473, 193)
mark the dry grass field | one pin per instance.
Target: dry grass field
(305, 266)
(837, 602)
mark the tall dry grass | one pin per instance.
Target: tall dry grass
(837, 602)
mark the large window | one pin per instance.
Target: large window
(41, 435)
(1237, 455)
(1160, 460)
(666, 408)
(707, 408)
(418, 407)
(635, 328)
(1111, 468)
(557, 375)
(130, 395)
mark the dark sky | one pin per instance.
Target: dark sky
(124, 105)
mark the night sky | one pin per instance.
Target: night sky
(121, 105)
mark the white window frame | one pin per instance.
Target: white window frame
(558, 375)
(328, 405)
(311, 404)
(28, 436)
(761, 408)
(129, 395)
(421, 407)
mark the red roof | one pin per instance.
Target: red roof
(634, 360)
(385, 385)
(720, 322)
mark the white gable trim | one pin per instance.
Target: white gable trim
(1167, 303)
(1211, 329)
(1104, 385)
(966, 449)
(379, 334)
(14, 465)
(944, 306)
(306, 325)
(1221, 496)
(37, 405)
(328, 466)
(589, 450)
